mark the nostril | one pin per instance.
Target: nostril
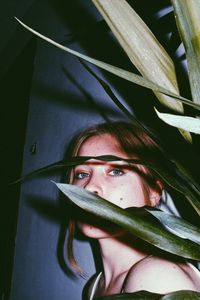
(93, 189)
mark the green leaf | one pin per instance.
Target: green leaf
(177, 225)
(110, 93)
(187, 16)
(168, 173)
(141, 295)
(117, 71)
(76, 160)
(144, 295)
(55, 166)
(146, 230)
(144, 50)
(182, 122)
(141, 46)
(187, 189)
(181, 295)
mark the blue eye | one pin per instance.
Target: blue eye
(116, 172)
(81, 175)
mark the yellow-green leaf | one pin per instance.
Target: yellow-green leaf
(121, 73)
(187, 16)
(141, 46)
(182, 122)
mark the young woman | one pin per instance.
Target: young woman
(128, 265)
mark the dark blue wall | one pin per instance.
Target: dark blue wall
(64, 98)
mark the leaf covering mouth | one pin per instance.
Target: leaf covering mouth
(139, 227)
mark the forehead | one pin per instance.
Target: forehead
(104, 144)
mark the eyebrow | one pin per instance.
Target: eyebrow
(117, 164)
(85, 160)
(77, 160)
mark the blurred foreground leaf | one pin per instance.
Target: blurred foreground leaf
(146, 230)
(144, 295)
(177, 225)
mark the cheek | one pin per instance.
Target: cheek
(128, 194)
(120, 195)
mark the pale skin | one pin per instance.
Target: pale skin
(125, 266)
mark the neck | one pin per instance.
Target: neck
(118, 256)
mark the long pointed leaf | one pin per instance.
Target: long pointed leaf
(143, 49)
(141, 46)
(141, 295)
(187, 189)
(177, 225)
(117, 71)
(110, 93)
(187, 16)
(144, 295)
(143, 229)
(167, 173)
(52, 167)
(183, 122)
(181, 295)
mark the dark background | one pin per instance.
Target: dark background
(47, 96)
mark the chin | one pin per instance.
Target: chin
(92, 231)
(99, 232)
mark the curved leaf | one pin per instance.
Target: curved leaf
(110, 93)
(144, 295)
(141, 46)
(146, 230)
(187, 16)
(143, 49)
(117, 71)
(177, 225)
(168, 173)
(180, 295)
(183, 122)
(57, 165)
(141, 295)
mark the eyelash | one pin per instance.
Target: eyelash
(76, 175)
(82, 175)
(120, 172)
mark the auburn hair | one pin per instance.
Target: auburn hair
(135, 141)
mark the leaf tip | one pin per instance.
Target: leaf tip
(54, 182)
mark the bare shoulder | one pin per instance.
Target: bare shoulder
(159, 275)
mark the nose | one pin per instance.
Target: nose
(94, 186)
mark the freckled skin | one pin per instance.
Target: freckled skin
(125, 265)
(110, 180)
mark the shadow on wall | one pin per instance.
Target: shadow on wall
(60, 214)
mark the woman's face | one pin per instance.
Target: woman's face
(114, 181)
